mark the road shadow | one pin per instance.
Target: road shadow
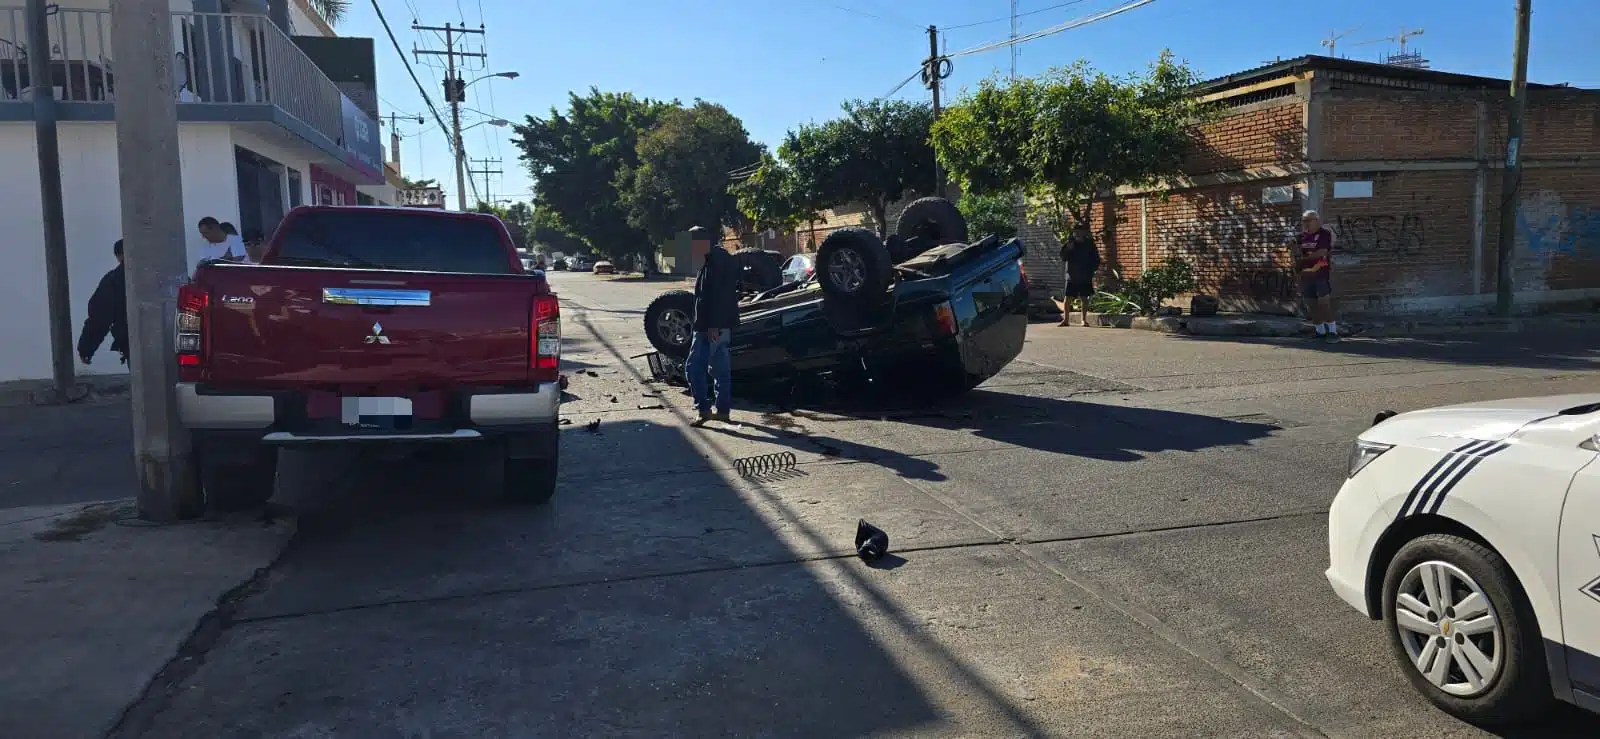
(77, 453)
(407, 564)
(1560, 349)
(791, 436)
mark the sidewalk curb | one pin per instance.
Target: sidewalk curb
(1278, 326)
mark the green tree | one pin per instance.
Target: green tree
(1071, 135)
(331, 11)
(576, 157)
(683, 171)
(409, 184)
(770, 197)
(991, 213)
(876, 153)
(547, 229)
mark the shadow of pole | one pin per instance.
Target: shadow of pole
(883, 604)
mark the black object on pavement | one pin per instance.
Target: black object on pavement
(871, 542)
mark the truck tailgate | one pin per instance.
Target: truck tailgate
(294, 326)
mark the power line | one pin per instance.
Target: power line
(423, 91)
(902, 84)
(1007, 18)
(865, 14)
(1051, 31)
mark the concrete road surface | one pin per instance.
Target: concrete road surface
(1123, 535)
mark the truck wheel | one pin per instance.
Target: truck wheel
(234, 483)
(529, 481)
(937, 220)
(669, 322)
(853, 264)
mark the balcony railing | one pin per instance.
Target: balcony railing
(218, 59)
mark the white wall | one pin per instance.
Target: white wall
(93, 209)
(301, 21)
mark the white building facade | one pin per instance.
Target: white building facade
(261, 129)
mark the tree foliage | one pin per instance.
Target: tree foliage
(547, 229)
(406, 183)
(331, 11)
(1071, 135)
(577, 159)
(770, 197)
(876, 153)
(989, 214)
(683, 171)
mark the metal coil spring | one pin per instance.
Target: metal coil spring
(764, 464)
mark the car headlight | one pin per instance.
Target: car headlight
(1363, 453)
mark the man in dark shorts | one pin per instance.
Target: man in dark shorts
(1079, 261)
(1316, 274)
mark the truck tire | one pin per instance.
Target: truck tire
(852, 264)
(238, 482)
(529, 481)
(937, 220)
(669, 322)
(759, 269)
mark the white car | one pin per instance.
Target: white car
(798, 268)
(1473, 532)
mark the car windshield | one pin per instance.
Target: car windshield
(421, 242)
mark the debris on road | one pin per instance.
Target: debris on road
(613, 398)
(592, 427)
(565, 422)
(650, 406)
(562, 381)
(764, 464)
(871, 542)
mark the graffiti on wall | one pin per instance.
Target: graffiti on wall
(1551, 226)
(1240, 245)
(1397, 236)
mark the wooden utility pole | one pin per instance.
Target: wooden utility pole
(1513, 164)
(485, 162)
(151, 182)
(455, 93)
(58, 292)
(933, 72)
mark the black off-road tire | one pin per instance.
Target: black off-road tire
(661, 322)
(853, 265)
(1521, 691)
(937, 220)
(529, 481)
(232, 487)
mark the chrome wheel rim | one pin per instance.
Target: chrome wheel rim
(674, 326)
(1449, 629)
(848, 270)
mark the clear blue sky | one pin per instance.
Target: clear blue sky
(777, 63)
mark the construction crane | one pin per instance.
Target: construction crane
(1333, 40)
(1401, 39)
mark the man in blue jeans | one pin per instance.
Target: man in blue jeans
(716, 313)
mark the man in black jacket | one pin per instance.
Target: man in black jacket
(716, 313)
(108, 313)
(1080, 260)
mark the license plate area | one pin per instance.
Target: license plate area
(377, 414)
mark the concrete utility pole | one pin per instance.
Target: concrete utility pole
(58, 289)
(934, 71)
(455, 93)
(1513, 169)
(394, 136)
(153, 244)
(488, 197)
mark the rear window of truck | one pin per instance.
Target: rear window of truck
(388, 240)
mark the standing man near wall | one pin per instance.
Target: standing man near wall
(716, 313)
(1316, 274)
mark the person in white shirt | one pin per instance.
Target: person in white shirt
(214, 244)
(236, 250)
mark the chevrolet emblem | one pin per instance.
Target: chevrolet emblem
(377, 336)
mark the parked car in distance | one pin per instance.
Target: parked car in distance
(798, 268)
(579, 264)
(559, 264)
(369, 326)
(604, 267)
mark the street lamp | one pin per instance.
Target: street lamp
(455, 97)
(496, 122)
(503, 75)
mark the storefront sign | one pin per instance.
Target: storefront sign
(362, 150)
(422, 197)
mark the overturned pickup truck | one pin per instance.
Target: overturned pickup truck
(925, 310)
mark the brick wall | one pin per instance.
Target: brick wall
(1557, 242)
(1260, 134)
(1413, 238)
(1373, 125)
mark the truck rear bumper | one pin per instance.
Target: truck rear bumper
(284, 417)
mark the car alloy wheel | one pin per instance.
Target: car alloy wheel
(674, 326)
(847, 269)
(1449, 628)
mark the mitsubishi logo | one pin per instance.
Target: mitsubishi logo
(1593, 588)
(377, 336)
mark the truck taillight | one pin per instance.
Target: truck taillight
(946, 317)
(544, 355)
(1023, 268)
(193, 304)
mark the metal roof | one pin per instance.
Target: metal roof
(1351, 66)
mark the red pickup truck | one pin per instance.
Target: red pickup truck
(369, 325)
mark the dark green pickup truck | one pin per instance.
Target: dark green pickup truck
(947, 317)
